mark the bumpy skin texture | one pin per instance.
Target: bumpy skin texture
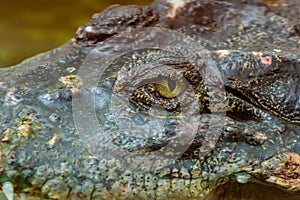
(255, 50)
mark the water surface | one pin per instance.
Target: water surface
(33, 26)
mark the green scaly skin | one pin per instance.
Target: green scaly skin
(42, 154)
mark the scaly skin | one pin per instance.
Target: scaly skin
(247, 129)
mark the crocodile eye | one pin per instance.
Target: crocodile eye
(169, 88)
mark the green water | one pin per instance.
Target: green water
(33, 26)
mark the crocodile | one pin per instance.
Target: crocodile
(182, 99)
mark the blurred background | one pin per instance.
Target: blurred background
(34, 26)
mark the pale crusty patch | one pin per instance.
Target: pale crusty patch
(175, 5)
(288, 175)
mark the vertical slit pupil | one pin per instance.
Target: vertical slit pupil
(171, 85)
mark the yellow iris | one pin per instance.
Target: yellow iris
(169, 88)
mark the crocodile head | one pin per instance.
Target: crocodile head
(177, 100)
